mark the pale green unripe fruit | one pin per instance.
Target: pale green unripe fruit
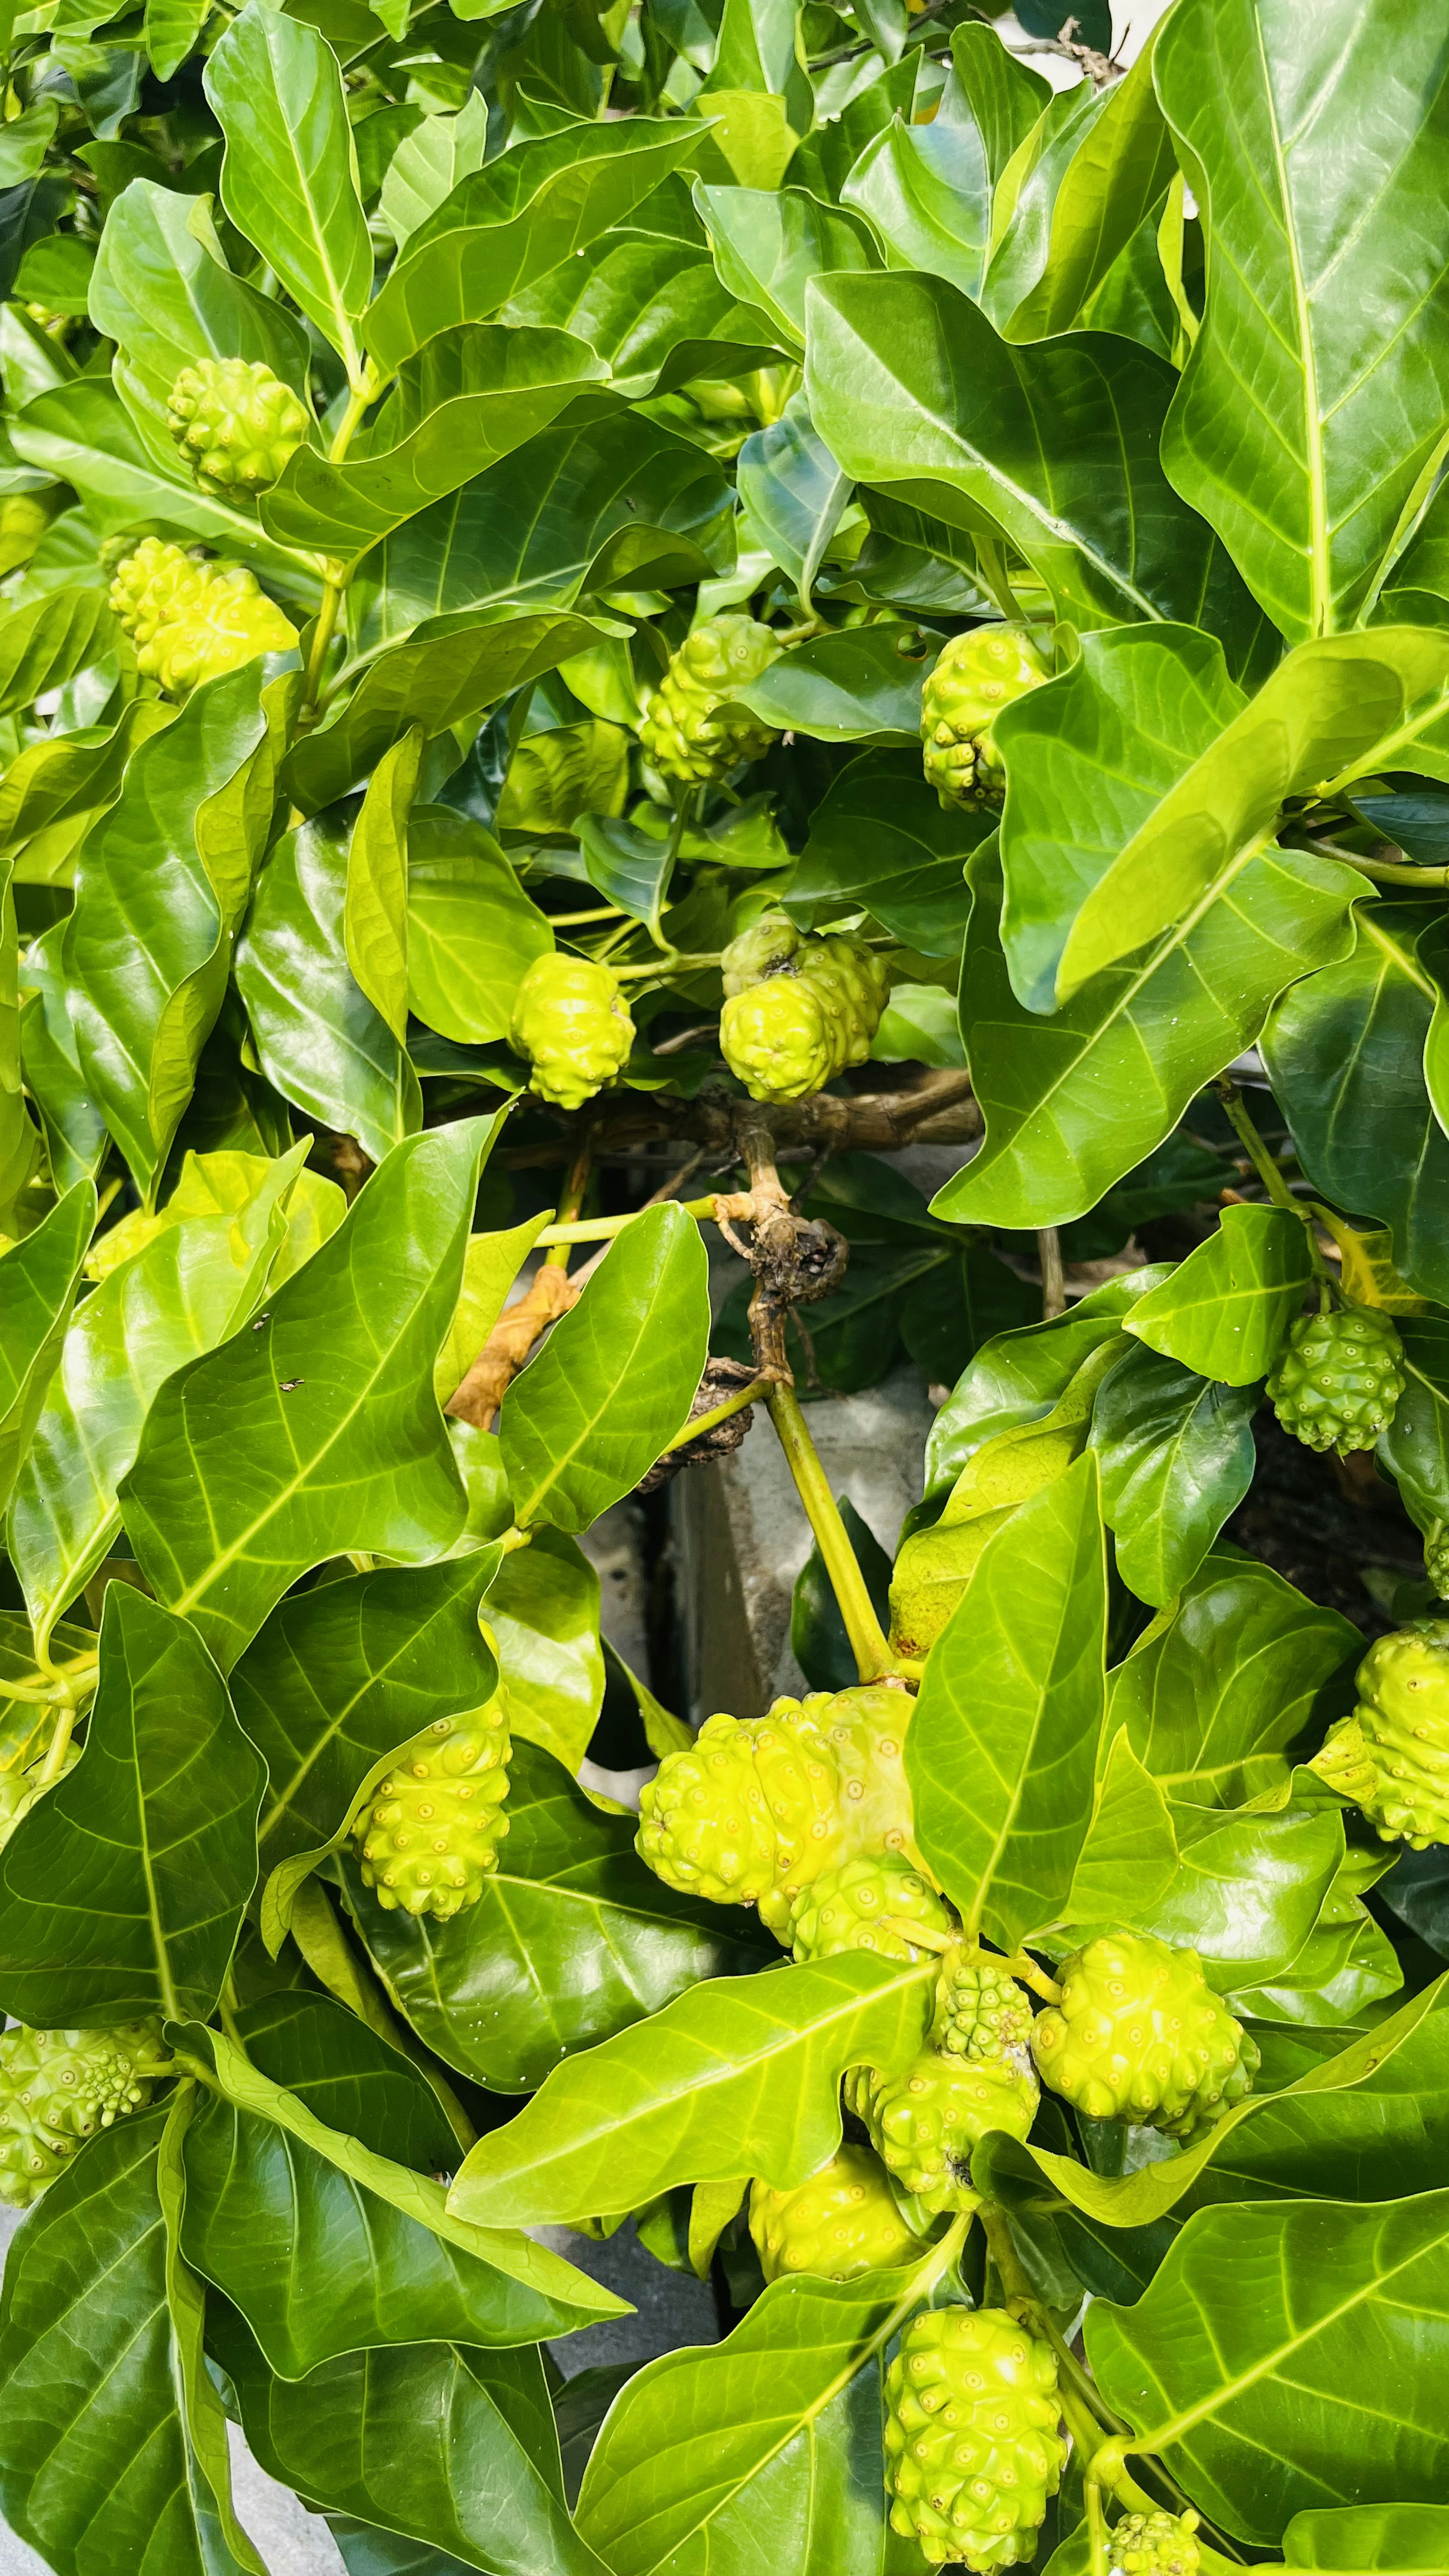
(235, 423)
(815, 1010)
(981, 2012)
(976, 677)
(681, 734)
(57, 2088)
(1139, 2035)
(927, 2119)
(1392, 1755)
(844, 2221)
(572, 1023)
(1154, 2544)
(849, 1908)
(430, 1836)
(972, 2438)
(762, 950)
(193, 621)
(1340, 1378)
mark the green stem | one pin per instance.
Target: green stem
(363, 393)
(603, 1229)
(1389, 871)
(732, 1404)
(1268, 1171)
(1096, 2528)
(671, 961)
(991, 562)
(574, 920)
(873, 1657)
(50, 1769)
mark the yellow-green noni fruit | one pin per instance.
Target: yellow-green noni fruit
(981, 2012)
(58, 2087)
(814, 1010)
(191, 621)
(849, 1909)
(431, 1834)
(973, 2445)
(1154, 2544)
(976, 677)
(1392, 1755)
(844, 2221)
(1339, 1380)
(1139, 2035)
(682, 733)
(235, 423)
(572, 1023)
(928, 2117)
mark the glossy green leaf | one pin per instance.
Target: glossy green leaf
(911, 389)
(740, 2072)
(1226, 1309)
(1312, 413)
(472, 932)
(793, 491)
(183, 1292)
(1093, 170)
(375, 914)
(318, 1036)
(880, 841)
(1247, 1891)
(571, 1940)
(768, 242)
(1259, 2402)
(339, 1677)
(543, 1606)
(1004, 1738)
(1022, 1375)
(48, 641)
(428, 164)
(149, 943)
(347, 2074)
(62, 784)
(1398, 2536)
(289, 178)
(362, 1458)
(860, 685)
(201, 2408)
(1415, 1448)
(652, 306)
(615, 1379)
(122, 1891)
(162, 288)
(95, 2464)
(1083, 1097)
(1176, 1454)
(38, 1280)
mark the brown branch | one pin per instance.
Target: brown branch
(937, 1109)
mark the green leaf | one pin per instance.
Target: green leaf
(557, 779)
(1258, 2402)
(162, 288)
(860, 684)
(768, 243)
(1246, 1892)
(92, 2431)
(572, 1940)
(184, 1291)
(543, 1606)
(881, 842)
(160, 887)
(777, 2428)
(47, 641)
(793, 491)
(472, 932)
(912, 390)
(1345, 1055)
(428, 164)
(1021, 1376)
(510, 223)
(289, 178)
(744, 2072)
(318, 1036)
(375, 914)
(1074, 1102)
(348, 2074)
(1001, 1749)
(457, 2447)
(341, 1676)
(1211, 1698)
(1176, 1454)
(1226, 1309)
(1092, 172)
(1398, 2536)
(1312, 413)
(615, 1379)
(651, 305)
(38, 1280)
(185, 2297)
(1415, 1448)
(62, 784)
(362, 1460)
(926, 188)
(472, 396)
(121, 1893)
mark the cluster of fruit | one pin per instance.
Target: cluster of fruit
(192, 621)
(797, 1010)
(58, 2087)
(430, 1832)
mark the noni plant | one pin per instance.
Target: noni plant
(719, 716)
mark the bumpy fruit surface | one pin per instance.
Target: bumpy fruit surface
(572, 1023)
(1436, 1558)
(1392, 1756)
(431, 1835)
(1340, 1378)
(1139, 2035)
(973, 2449)
(842, 2222)
(153, 585)
(235, 423)
(762, 950)
(977, 675)
(1154, 2544)
(754, 1810)
(927, 2120)
(191, 621)
(810, 1017)
(24, 518)
(57, 2088)
(680, 733)
(981, 2012)
(847, 1909)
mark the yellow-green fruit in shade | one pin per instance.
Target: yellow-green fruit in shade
(431, 1835)
(1139, 2035)
(972, 2438)
(1436, 1558)
(927, 2119)
(235, 423)
(1392, 1756)
(762, 950)
(842, 2222)
(1339, 1381)
(856, 985)
(681, 734)
(848, 1909)
(1154, 2544)
(981, 2012)
(977, 675)
(57, 2088)
(24, 518)
(755, 1809)
(572, 1023)
(777, 1038)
